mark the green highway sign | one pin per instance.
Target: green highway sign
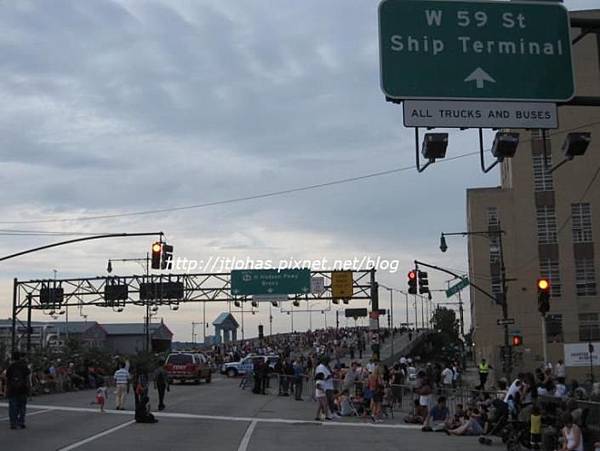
(475, 50)
(456, 288)
(270, 281)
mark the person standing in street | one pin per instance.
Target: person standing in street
(17, 390)
(298, 378)
(327, 384)
(161, 383)
(484, 370)
(121, 377)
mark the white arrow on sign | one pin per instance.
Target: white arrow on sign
(479, 76)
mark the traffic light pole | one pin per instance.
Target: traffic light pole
(507, 348)
(78, 240)
(544, 340)
(49, 246)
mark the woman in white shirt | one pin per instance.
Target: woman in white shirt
(573, 440)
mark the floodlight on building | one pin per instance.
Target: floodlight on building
(576, 144)
(505, 145)
(434, 146)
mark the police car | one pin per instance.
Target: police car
(246, 365)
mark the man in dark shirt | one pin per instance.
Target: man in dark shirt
(17, 389)
(161, 383)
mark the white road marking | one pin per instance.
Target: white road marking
(30, 414)
(96, 436)
(225, 418)
(246, 438)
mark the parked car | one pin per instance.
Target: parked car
(247, 364)
(188, 366)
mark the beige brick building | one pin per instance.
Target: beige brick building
(552, 224)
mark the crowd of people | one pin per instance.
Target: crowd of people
(540, 408)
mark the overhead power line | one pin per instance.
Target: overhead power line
(259, 196)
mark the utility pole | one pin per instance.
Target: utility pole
(204, 321)
(507, 347)
(270, 320)
(497, 232)
(461, 313)
(416, 312)
(591, 353)
(391, 317)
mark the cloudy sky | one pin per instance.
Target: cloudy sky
(113, 107)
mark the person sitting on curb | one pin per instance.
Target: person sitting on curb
(437, 417)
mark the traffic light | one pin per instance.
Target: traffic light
(156, 252)
(423, 283)
(260, 332)
(167, 257)
(517, 340)
(274, 303)
(238, 304)
(543, 290)
(254, 304)
(412, 282)
(296, 303)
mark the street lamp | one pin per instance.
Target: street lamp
(503, 300)
(443, 245)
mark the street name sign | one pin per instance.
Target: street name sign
(470, 50)
(474, 114)
(270, 281)
(270, 298)
(456, 288)
(356, 312)
(505, 322)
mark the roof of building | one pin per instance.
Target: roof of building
(74, 327)
(132, 328)
(225, 317)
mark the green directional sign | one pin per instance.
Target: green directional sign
(270, 281)
(456, 288)
(470, 50)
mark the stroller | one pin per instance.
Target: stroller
(497, 423)
(517, 436)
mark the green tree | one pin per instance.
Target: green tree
(446, 324)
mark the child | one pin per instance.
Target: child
(321, 397)
(536, 427)
(101, 395)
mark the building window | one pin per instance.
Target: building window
(554, 331)
(492, 216)
(537, 134)
(585, 277)
(546, 225)
(497, 287)
(581, 218)
(550, 270)
(541, 179)
(589, 327)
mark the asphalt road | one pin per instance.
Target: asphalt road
(216, 416)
